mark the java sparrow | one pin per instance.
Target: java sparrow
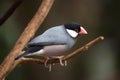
(54, 42)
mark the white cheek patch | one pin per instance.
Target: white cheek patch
(72, 33)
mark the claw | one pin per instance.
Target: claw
(62, 63)
(65, 63)
(47, 59)
(50, 67)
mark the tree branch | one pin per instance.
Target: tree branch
(10, 11)
(85, 47)
(9, 63)
(76, 52)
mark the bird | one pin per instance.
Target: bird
(54, 42)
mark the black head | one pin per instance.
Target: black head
(75, 29)
(73, 26)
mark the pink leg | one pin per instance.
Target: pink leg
(46, 60)
(48, 65)
(60, 59)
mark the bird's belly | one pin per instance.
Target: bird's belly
(54, 50)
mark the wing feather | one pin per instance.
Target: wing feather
(53, 36)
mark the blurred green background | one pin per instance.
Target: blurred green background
(99, 17)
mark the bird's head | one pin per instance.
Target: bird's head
(74, 29)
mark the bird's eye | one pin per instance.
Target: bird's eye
(76, 30)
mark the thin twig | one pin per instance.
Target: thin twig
(76, 52)
(9, 63)
(10, 11)
(85, 47)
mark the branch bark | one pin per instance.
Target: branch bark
(76, 52)
(9, 63)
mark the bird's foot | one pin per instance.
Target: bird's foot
(65, 63)
(62, 63)
(49, 66)
(46, 61)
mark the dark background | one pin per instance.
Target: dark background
(99, 17)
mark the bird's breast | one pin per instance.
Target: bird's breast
(55, 50)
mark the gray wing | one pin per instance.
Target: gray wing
(53, 36)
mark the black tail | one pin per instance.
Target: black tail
(22, 55)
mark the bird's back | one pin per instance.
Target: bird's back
(55, 35)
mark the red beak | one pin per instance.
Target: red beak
(82, 31)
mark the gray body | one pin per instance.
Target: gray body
(53, 42)
(54, 36)
(56, 41)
